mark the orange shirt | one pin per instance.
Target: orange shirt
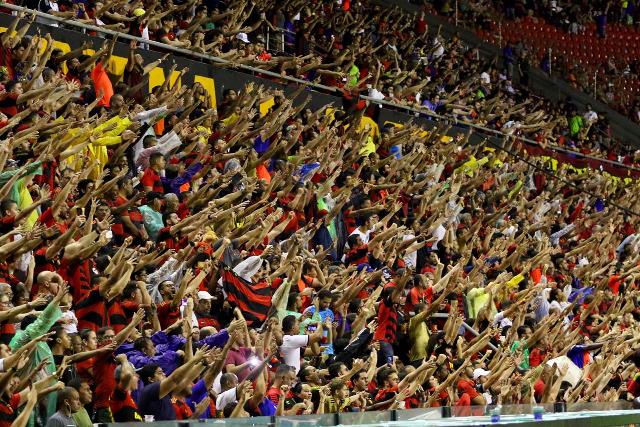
(101, 82)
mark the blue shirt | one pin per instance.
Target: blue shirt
(576, 354)
(261, 146)
(198, 394)
(149, 403)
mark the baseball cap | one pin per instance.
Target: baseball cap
(204, 295)
(139, 12)
(479, 372)
(243, 37)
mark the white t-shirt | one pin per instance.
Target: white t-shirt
(290, 349)
(439, 234)
(410, 259)
(225, 398)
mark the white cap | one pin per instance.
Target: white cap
(243, 37)
(204, 295)
(479, 372)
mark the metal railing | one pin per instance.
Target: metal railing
(551, 415)
(319, 87)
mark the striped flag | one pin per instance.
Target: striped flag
(254, 299)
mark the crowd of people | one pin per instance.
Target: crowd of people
(162, 258)
(582, 24)
(363, 49)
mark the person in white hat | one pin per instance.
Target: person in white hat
(243, 37)
(202, 311)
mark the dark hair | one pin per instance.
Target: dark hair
(27, 321)
(84, 334)
(352, 240)
(100, 332)
(304, 374)
(154, 157)
(522, 329)
(325, 293)
(64, 395)
(384, 374)
(336, 384)
(140, 343)
(58, 332)
(76, 382)
(288, 322)
(5, 205)
(228, 409)
(227, 379)
(166, 216)
(83, 184)
(124, 180)
(147, 371)
(334, 369)
(8, 86)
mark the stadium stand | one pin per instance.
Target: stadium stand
(176, 248)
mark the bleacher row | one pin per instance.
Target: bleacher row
(585, 50)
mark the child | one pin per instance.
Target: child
(68, 319)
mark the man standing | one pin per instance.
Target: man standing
(293, 341)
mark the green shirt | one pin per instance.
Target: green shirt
(575, 124)
(82, 418)
(39, 327)
(525, 353)
(476, 299)
(354, 75)
(152, 221)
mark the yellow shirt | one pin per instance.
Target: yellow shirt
(97, 150)
(419, 335)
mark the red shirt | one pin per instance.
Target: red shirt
(166, 315)
(387, 321)
(536, 357)
(468, 387)
(183, 412)
(416, 296)
(153, 180)
(78, 274)
(614, 284)
(118, 227)
(207, 321)
(47, 219)
(273, 394)
(104, 379)
(8, 410)
(123, 407)
(8, 104)
(84, 369)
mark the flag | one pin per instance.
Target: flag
(253, 299)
